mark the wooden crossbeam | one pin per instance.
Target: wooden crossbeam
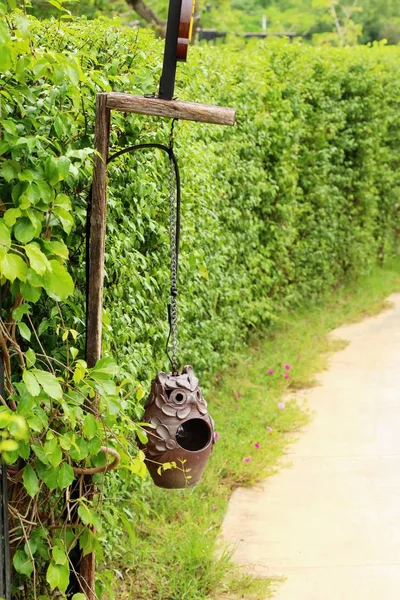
(173, 109)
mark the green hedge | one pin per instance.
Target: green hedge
(275, 210)
(301, 194)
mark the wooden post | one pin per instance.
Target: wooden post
(97, 235)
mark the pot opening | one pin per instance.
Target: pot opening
(193, 435)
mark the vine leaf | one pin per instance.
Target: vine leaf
(57, 576)
(66, 476)
(59, 555)
(13, 267)
(24, 331)
(31, 481)
(58, 282)
(22, 563)
(5, 236)
(24, 231)
(38, 261)
(49, 383)
(31, 383)
(89, 426)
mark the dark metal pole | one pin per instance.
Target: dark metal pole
(167, 82)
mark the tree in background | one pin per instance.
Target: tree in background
(337, 22)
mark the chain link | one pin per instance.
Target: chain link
(174, 268)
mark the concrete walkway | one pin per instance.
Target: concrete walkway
(330, 523)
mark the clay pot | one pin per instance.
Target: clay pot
(182, 431)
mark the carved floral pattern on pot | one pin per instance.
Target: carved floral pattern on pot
(182, 429)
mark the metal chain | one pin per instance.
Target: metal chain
(174, 263)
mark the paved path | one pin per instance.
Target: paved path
(330, 523)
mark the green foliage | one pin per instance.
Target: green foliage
(320, 21)
(276, 211)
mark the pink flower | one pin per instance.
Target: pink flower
(256, 445)
(239, 395)
(247, 459)
(213, 508)
(216, 435)
(236, 408)
(281, 405)
(271, 371)
(287, 367)
(286, 376)
(269, 429)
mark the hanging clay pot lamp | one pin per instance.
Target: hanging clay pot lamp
(181, 432)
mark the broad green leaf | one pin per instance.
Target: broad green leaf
(9, 126)
(8, 173)
(51, 170)
(58, 282)
(53, 452)
(20, 311)
(78, 597)
(56, 247)
(31, 383)
(30, 480)
(34, 279)
(7, 445)
(90, 426)
(140, 393)
(57, 576)
(24, 230)
(59, 555)
(30, 358)
(13, 267)
(30, 547)
(24, 331)
(65, 217)
(79, 373)
(40, 453)
(50, 477)
(94, 445)
(35, 423)
(37, 259)
(85, 514)
(66, 476)
(63, 201)
(106, 365)
(30, 293)
(5, 58)
(63, 167)
(26, 175)
(11, 215)
(26, 404)
(5, 235)
(23, 563)
(49, 383)
(87, 542)
(74, 352)
(46, 192)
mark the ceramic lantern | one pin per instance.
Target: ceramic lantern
(182, 432)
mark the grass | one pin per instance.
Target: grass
(174, 555)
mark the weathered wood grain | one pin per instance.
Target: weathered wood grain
(97, 233)
(94, 307)
(188, 111)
